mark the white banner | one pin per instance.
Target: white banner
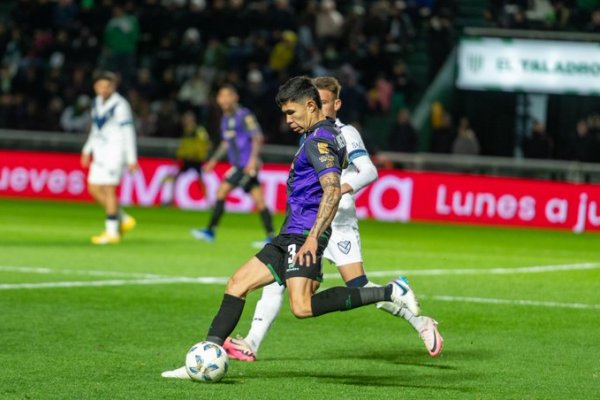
(522, 65)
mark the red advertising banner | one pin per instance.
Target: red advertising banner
(395, 196)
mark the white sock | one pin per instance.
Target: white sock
(112, 227)
(411, 318)
(397, 311)
(266, 310)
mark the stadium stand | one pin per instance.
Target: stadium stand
(171, 54)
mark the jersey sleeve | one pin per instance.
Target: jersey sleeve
(323, 155)
(354, 143)
(251, 125)
(124, 117)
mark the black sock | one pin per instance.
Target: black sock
(359, 281)
(226, 319)
(216, 214)
(344, 298)
(265, 216)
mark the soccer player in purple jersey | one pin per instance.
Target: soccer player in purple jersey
(293, 258)
(241, 140)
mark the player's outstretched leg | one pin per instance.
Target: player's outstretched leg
(403, 295)
(425, 326)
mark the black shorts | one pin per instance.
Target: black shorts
(278, 255)
(236, 177)
(190, 164)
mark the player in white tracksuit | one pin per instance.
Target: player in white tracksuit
(109, 150)
(344, 245)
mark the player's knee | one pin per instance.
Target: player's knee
(301, 309)
(237, 286)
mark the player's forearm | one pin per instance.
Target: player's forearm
(332, 194)
(220, 152)
(367, 174)
(257, 141)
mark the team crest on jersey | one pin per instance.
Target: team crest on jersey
(250, 122)
(344, 246)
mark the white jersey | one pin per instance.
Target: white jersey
(112, 137)
(357, 154)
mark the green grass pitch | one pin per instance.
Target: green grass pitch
(85, 322)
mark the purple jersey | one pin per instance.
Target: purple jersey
(237, 129)
(323, 151)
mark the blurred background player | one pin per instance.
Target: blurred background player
(241, 139)
(343, 248)
(108, 151)
(192, 151)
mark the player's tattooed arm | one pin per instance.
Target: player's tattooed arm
(332, 194)
(220, 152)
(217, 155)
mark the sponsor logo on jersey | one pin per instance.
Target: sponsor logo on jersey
(323, 148)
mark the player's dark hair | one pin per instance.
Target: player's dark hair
(297, 89)
(328, 83)
(228, 86)
(105, 76)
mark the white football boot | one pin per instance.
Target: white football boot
(179, 373)
(403, 295)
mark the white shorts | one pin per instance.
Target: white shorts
(102, 174)
(344, 246)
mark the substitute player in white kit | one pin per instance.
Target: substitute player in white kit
(343, 248)
(108, 152)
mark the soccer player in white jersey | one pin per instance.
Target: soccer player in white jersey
(109, 150)
(343, 248)
(344, 245)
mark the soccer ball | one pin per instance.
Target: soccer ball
(206, 362)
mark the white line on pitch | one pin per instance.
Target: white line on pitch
(216, 280)
(484, 300)
(482, 271)
(113, 282)
(48, 271)
(409, 272)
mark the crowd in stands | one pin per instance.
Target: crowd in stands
(172, 54)
(557, 15)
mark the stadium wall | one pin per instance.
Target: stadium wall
(397, 196)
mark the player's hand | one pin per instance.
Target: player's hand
(307, 254)
(133, 168)
(85, 160)
(250, 168)
(209, 166)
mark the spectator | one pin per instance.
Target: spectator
(120, 44)
(538, 144)
(403, 136)
(329, 22)
(583, 143)
(76, 118)
(194, 94)
(466, 142)
(284, 52)
(443, 136)
(594, 25)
